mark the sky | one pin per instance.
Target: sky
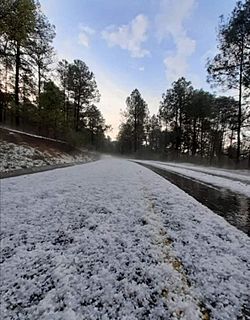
(143, 44)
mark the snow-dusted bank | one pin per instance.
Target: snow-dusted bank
(16, 157)
(113, 240)
(236, 182)
(243, 175)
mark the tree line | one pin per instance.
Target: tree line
(196, 123)
(59, 100)
(30, 97)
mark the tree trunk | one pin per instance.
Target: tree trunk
(75, 111)
(92, 136)
(231, 138)
(249, 160)
(135, 133)
(39, 87)
(1, 110)
(4, 100)
(221, 144)
(18, 61)
(239, 112)
(212, 150)
(180, 130)
(39, 102)
(194, 142)
(201, 140)
(64, 106)
(77, 115)
(67, 110)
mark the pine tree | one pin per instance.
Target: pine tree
(154, 133)
(83, 88)
(95, 125)
(124, 138)
(51, 101)
(230, 67)
(40, 48)
(173, 107)
(18, 25)
(63, 72)
(135, 115)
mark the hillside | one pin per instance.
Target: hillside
(19, 151)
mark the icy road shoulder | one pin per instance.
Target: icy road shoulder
(234, 182)
(113, 240)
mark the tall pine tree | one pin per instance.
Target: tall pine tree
(230, 67)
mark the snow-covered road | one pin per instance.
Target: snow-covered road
(228, 179)
(113, 240)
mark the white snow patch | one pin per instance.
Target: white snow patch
(95, 242)
(234, 182)
(14, 157)
(237, 174)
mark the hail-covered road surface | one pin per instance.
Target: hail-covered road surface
(114, 240)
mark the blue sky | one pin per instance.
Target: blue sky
(144, 44)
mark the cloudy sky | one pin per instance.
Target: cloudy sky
(144, 44)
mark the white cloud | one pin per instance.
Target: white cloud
(84, 35)
(170, 24)
(141, 69)
(130, 36)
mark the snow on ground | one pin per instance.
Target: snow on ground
(14, 157)
(113, 240)
(236, 174)
(234, 182)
